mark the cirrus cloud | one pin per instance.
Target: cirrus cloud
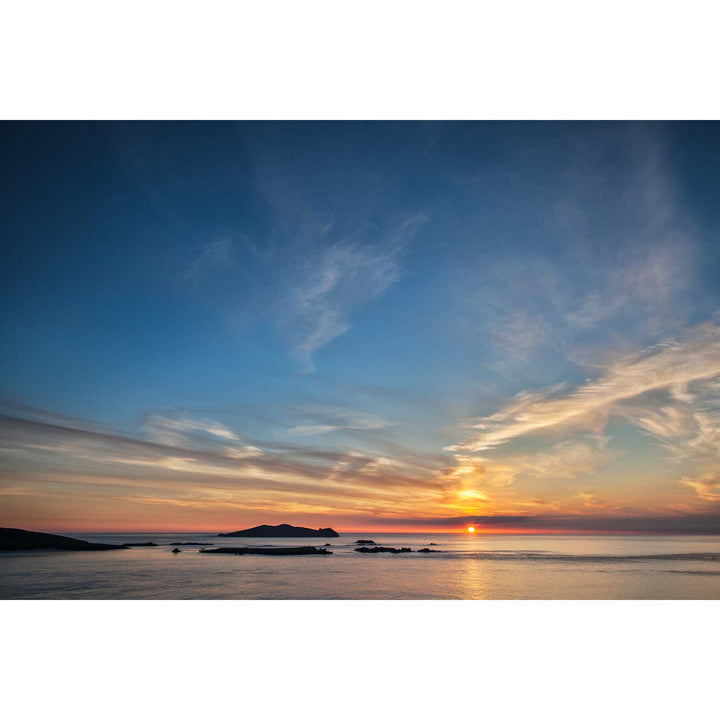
(670, 364)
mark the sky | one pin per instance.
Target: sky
(403, 326)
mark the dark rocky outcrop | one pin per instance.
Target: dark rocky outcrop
(428, 550)
(307, 550)
(283, 530)
(381, 549)
(175, 550)
(147, 544)
(14, 539)
(364, 542)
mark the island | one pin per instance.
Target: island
(12, 539)
(364, 542)
(283, 530)
(307, 550)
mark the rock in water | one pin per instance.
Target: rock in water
(175, 550)
(307, 550)
(381, 549)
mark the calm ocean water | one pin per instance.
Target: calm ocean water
(468, 567)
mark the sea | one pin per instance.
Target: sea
(467, 567)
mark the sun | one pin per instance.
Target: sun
(471, 529)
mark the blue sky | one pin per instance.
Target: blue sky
(379, 324)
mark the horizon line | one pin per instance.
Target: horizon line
(479, 531)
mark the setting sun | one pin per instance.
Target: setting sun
(471, 529)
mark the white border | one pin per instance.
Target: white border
(397, 59)
(355, 659)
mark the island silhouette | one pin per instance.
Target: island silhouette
(283, 530)
(15, 539)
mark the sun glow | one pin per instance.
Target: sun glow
(471, 529)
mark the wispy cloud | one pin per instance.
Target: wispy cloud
(197, 462)
(215, 254)
(323, 420)
(673, 363)
(182, 430)
(688, 430)
(569, 459)
(669, 391)
(623, 268)
(644, 274)
(594, 500)
(483, 482)
(707, 487)
(647, 283)
(343, 278)
(520, 332)
(333, 282)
